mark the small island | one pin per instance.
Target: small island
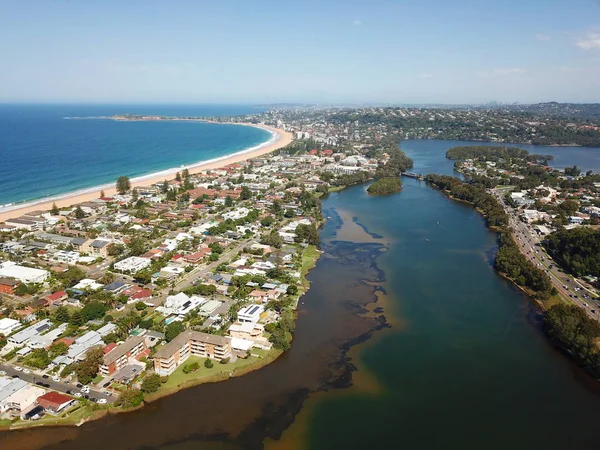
(385, 186)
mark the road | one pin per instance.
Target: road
(529, 244)
(61, 386)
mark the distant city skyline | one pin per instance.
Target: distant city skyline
(327, 52)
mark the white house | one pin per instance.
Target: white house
(10, 269)
(133, 264)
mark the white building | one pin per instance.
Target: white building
(88, 284)
(7, 326)
(236, 214)
(250, 313)
(10, 269)
(36, 329)
(133, 264)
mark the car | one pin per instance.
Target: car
(18, 369)
(585, 304)
(15, 376)
(45, 377)
(85, 390)
(593, 311)
(77, 394)
(2, 373)
(56, 379)
(102, 401)
(39, 383)
(70, 392)
(107, 384)
(107, 393)
(26, 371)
(67, 382)
(79, 385)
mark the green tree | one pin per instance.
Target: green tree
(130, 398)
(54, 211)
(151, 383)
(208, 363)
(79, 214)
(123, 185)
(93, 310)
(76, 318)
(87, 369)
(58, 349)
(246, 193)
(228, 201)
(62, 314)
(173, 330)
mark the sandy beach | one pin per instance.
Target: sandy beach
(282, 138)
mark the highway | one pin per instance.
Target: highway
(529, 243)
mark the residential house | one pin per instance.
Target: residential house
(54, 402)
(8, 285)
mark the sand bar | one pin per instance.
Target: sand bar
(280, 139)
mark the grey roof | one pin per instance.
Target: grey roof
(189, 335)
(114, 286)
(99, 244)
(78, 241)
(122, 349)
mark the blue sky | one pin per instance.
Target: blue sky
(230, 51)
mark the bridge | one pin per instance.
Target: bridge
(417, 176)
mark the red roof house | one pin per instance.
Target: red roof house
(54, 402)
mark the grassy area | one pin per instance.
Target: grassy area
(219, 372)
(309, 259)
(5, 423)
(98, 379)
(71, 417)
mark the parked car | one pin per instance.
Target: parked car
(102, 401)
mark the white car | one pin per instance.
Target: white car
(26, 371)
(2, 373)
(85, 389)
(78, 394)
(102, 401)
(56, 379)
(18, 369)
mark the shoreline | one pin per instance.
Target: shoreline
(279, 139)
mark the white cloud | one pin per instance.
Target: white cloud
(357, 23)
(591, 41)
(542, 37)
(427, 75)
(501, 72)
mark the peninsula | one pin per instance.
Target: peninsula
(146, 287)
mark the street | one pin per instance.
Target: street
(529, 244)
(61, 386)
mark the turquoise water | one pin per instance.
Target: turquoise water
(429, 155)
(469, 367)
(44, 155)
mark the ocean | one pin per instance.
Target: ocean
(44, 155)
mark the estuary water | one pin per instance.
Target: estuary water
(406, 339)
